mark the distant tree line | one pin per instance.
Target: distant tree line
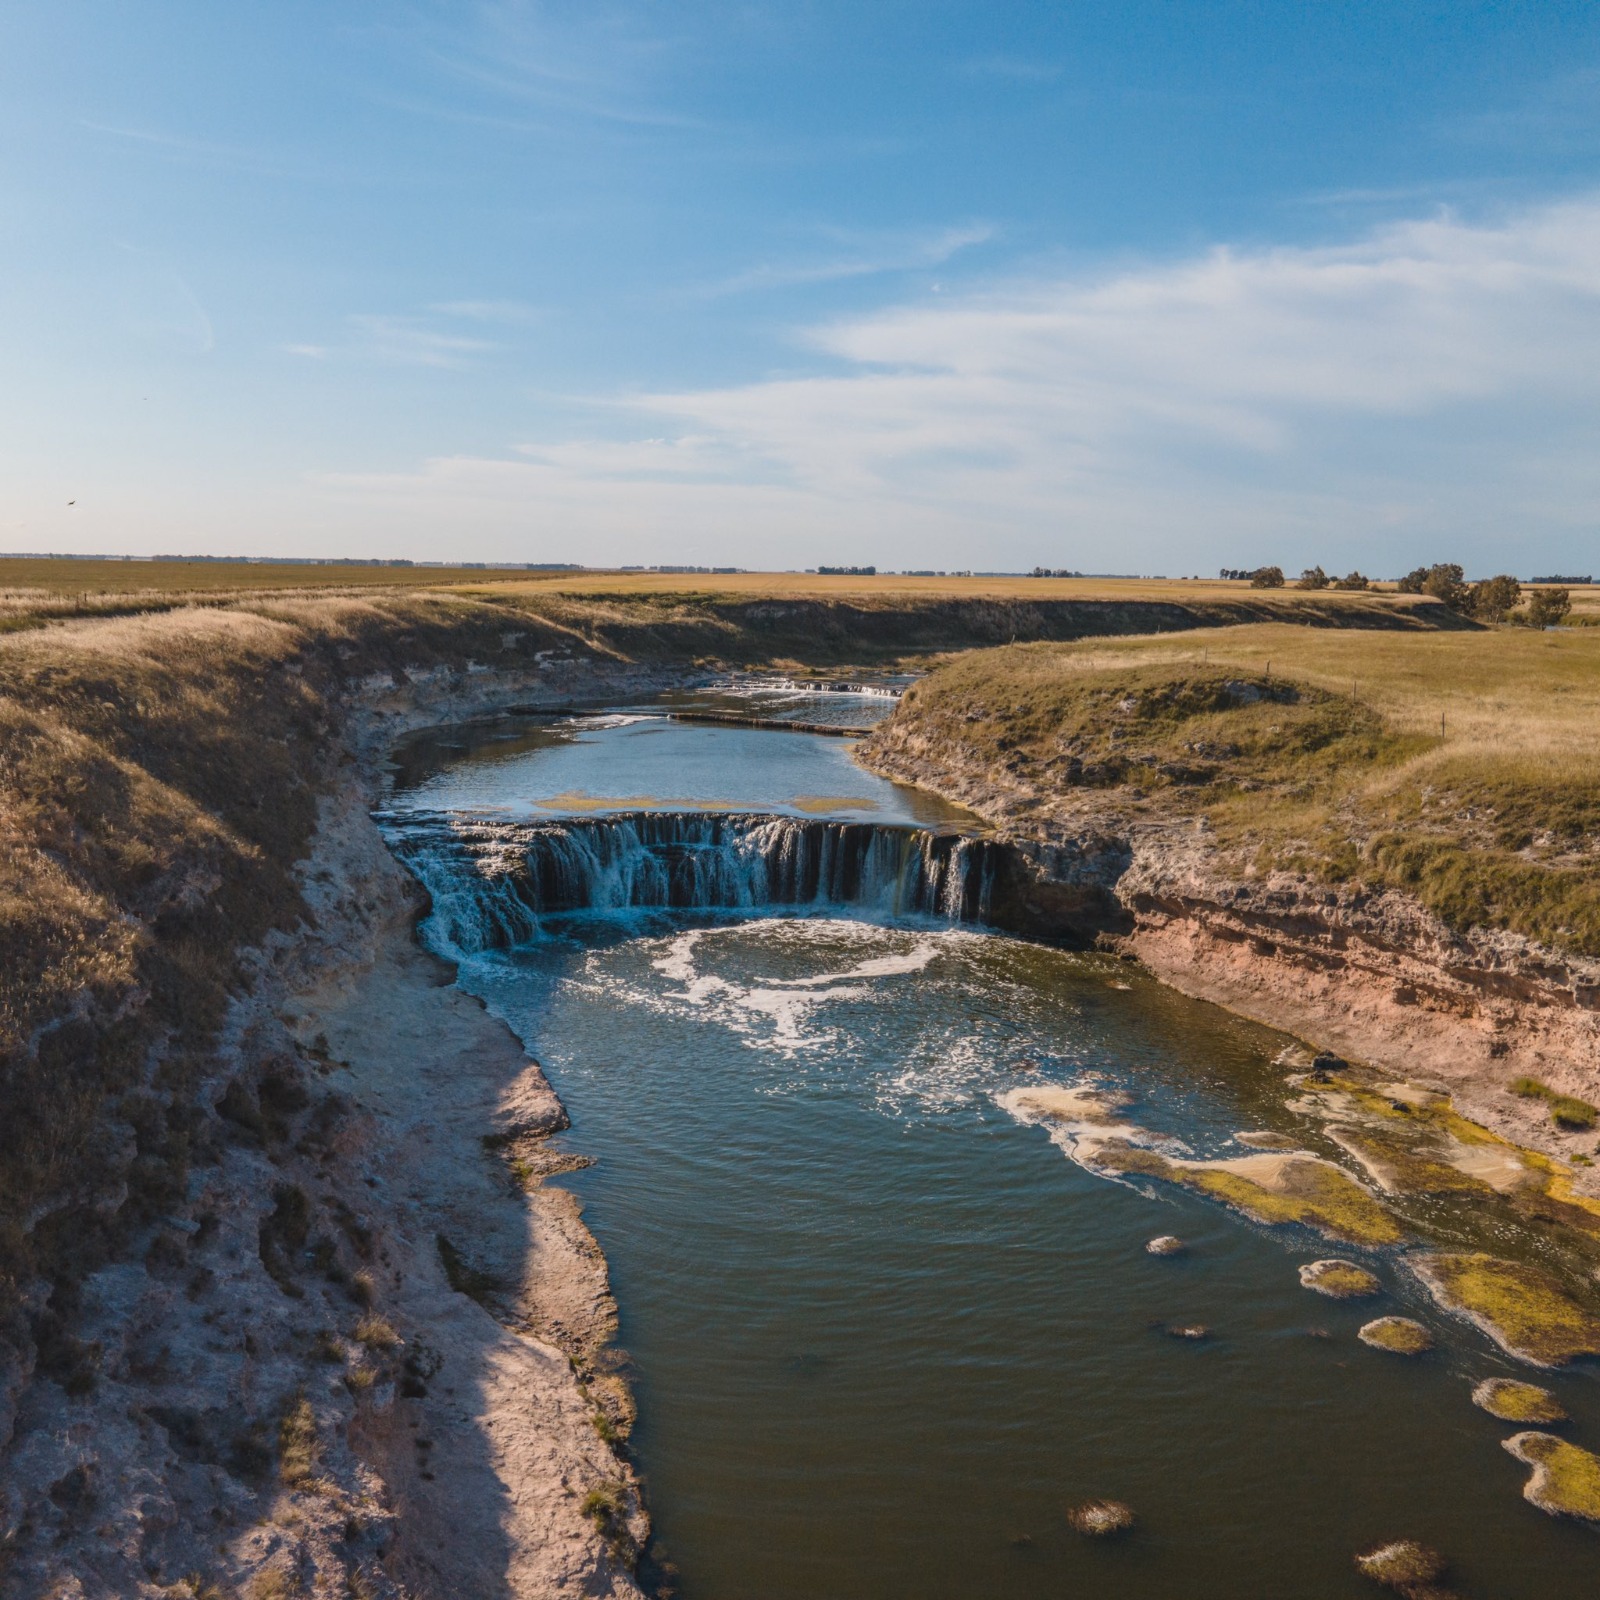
(1497, 599)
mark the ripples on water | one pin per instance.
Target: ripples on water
(883, 1333)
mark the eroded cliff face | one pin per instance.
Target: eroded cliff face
(1371, 975)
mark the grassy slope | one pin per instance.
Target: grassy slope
(1328, 754)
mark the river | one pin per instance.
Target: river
(881, 1330)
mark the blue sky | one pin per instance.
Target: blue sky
(1121, 287)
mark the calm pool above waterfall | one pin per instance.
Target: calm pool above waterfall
(883, 1332)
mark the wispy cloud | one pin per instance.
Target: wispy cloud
(409, 342)
(596, 64)
(1433, 381)
(866, 258)
(159, 304)
(513, 312)
(399, 340)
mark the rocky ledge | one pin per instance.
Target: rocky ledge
(1369, 974)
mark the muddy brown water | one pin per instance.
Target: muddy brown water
(883, 1334)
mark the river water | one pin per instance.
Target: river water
(882, 1332)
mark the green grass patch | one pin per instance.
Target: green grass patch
(1566, 1111)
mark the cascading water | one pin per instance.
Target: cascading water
(494, 884)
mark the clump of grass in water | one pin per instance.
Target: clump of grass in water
(1308, 1191)
(1514, 1401)
(1565, 1480)
(1523, 1309)
(1403, 1565)
(1101, 1519)
(1339, 1280)
(1400, 1336)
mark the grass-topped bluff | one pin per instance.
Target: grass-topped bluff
(1454, 766)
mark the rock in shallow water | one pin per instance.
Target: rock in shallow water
(1099, 1518)
(1167, 1244)
(1512, 1401)
(1399, 1335)
(1339, 1280)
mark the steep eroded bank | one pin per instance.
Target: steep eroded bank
(1212, 820)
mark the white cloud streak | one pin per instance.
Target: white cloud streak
(1434, 382)
(869, 258)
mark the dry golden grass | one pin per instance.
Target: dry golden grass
(32, 587)
(35, 575)
(1455, 765)
(889, 584)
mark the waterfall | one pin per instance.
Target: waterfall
(493, 884)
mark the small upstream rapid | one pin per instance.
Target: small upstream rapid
(882, 1332)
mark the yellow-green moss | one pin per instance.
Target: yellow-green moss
(1315, 1194)
(1565, 1480)
(1307, 1190)
(1512, 1401)
(1402, 1164)
(1339, 1280)
(1399, 1142)
(1522, 1309)
(1399, 1335)
(1552, 1192)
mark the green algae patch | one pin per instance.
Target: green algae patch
(1402, 1164)
(1412, 1140)
(1274, 1188)
(1400, 1336)
(1565, 1480)
(1525, 1311)
(1513, 1401)
(1339, 1280)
